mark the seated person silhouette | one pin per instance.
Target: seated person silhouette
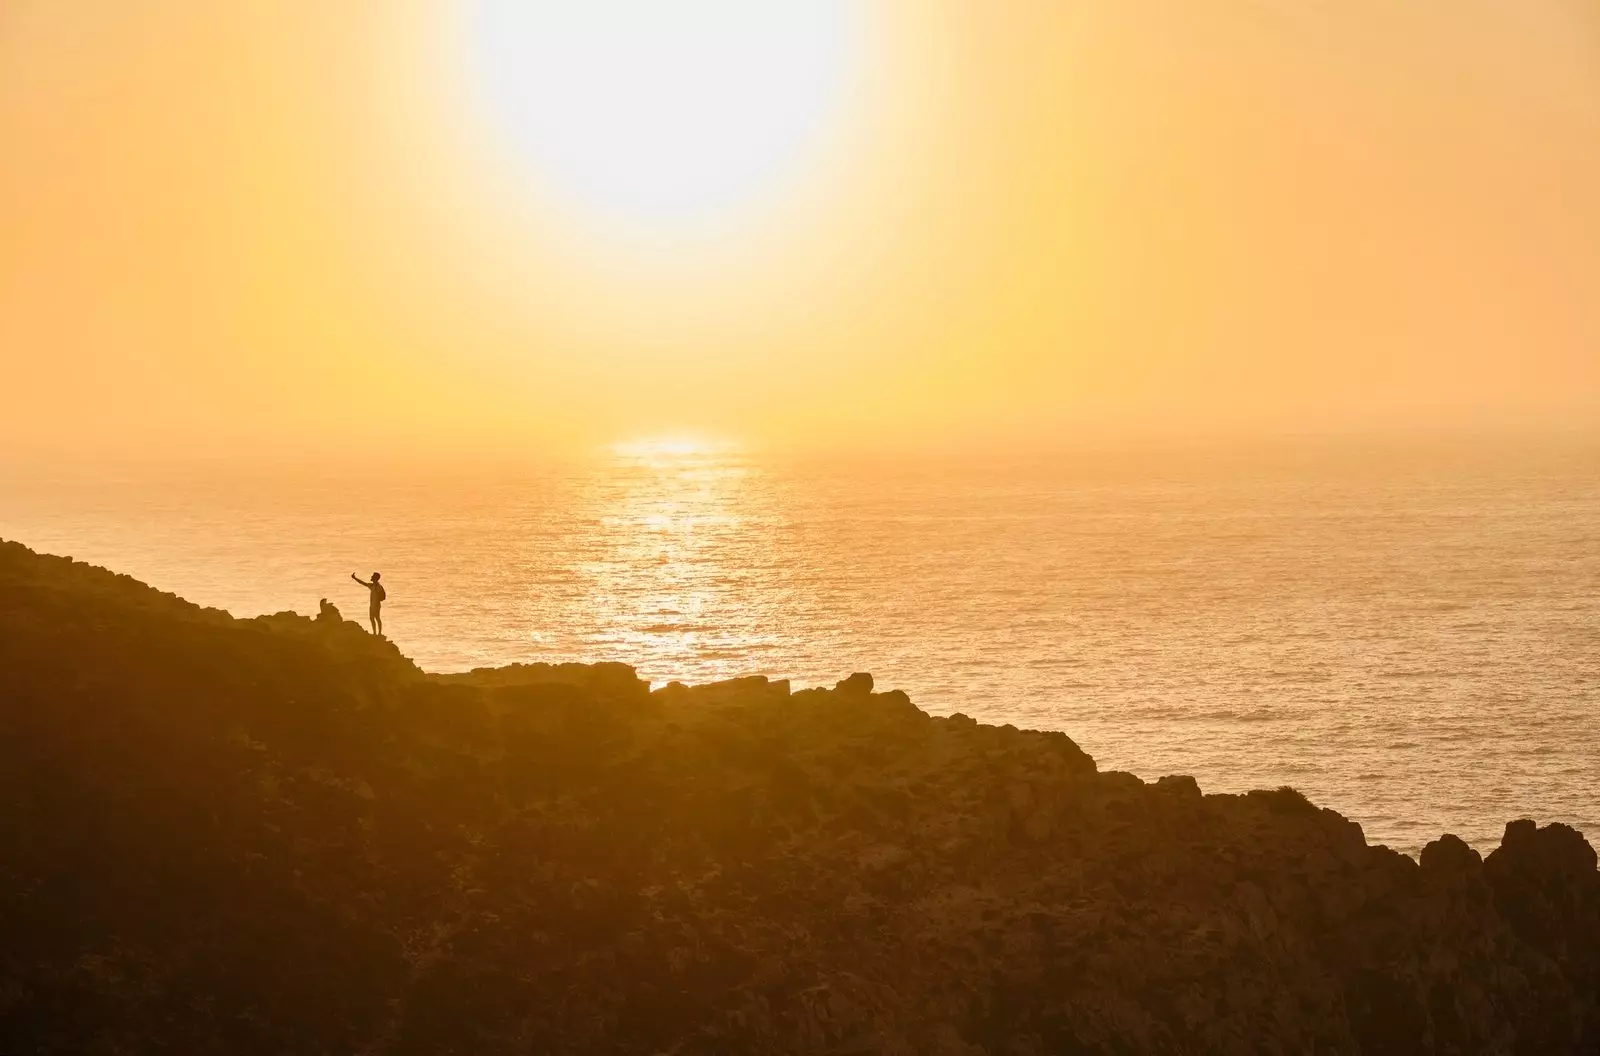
(375, 589)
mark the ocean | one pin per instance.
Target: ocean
(1407, 633)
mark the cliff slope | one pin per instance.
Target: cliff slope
(277, 835)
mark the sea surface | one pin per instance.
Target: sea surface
(1409, 634)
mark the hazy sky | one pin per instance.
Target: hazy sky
(229, 226)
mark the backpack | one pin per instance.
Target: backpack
(378, 593)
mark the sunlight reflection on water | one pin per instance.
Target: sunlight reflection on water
(675, 534)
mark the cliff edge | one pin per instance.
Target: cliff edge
(277, 835)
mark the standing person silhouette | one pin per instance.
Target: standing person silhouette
(375, 605)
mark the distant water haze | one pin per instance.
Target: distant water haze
(1409, 634)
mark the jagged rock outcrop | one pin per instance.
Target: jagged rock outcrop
(278, 835)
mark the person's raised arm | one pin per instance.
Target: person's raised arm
(358, 579)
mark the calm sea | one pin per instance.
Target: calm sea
(1410, 635)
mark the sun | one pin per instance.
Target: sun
(664, 110)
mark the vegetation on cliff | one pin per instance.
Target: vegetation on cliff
(278, 835)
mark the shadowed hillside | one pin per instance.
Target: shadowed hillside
(279, 836)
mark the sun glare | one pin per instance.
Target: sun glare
(658, 111)
(670, 447)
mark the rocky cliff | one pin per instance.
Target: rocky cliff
(277, 835)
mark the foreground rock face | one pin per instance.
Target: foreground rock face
(278, 836)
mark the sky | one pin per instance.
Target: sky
(400, 226)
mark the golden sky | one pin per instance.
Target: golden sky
(239, 225)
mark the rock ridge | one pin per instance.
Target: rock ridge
(279, 835)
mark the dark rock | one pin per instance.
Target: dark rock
(1547, 890)
(1450, 854)
(278, 835)
(898, 701)
(1179, 784)
(860, 682)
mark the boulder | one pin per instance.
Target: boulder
(858, 683)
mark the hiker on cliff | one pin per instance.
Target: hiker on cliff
(375, 605)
